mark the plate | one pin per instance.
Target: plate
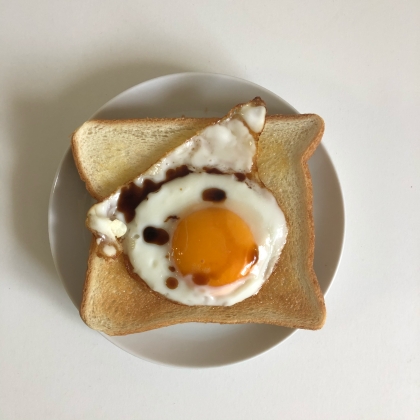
(193, 344)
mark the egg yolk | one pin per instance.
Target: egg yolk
(215, 246)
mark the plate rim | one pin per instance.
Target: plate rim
(94, 116)
(194, 74)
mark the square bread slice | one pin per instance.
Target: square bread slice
(110, 153)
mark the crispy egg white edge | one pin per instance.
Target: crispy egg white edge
(227, 146)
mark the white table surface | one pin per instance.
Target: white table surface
(357, 64)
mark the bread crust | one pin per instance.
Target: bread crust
(77, 152)
(309, 192)
(116, 304)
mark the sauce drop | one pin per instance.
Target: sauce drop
(156, 236)
(171, 283)
(216, 195)
(200, 279)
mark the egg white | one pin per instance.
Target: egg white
(255, 205)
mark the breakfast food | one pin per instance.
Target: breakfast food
(117, 303)
(197, 226)
(222, 238)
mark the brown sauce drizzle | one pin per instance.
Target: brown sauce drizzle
(253, 256)
(215, 171)
(216, 195)
(171, 283)
(132, 195)
(200, 279)
(171, 217)
(156, 236)
(171, 269)
(240, 176)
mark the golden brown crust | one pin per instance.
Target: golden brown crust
(115, 303)
(103, 176)
(77, 154)
(144, 310)
(77, 160)
(309, 192)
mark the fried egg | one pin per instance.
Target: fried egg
(198, 227)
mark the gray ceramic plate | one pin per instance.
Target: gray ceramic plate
(190, 345)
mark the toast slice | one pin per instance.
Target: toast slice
(111, 153)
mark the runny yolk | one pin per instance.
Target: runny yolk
(215, 246)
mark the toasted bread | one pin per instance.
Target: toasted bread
(111, 153)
